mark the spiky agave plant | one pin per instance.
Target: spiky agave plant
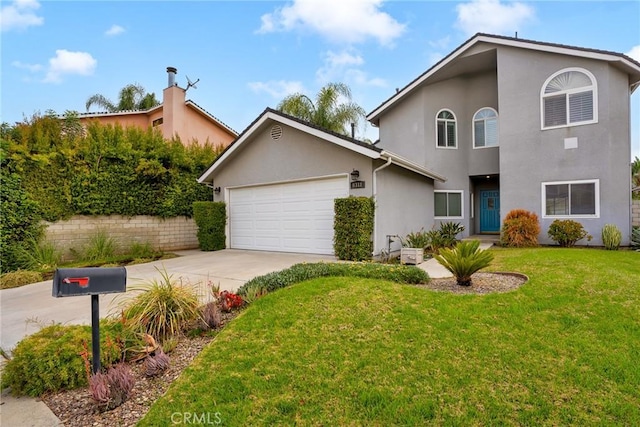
(464, 260)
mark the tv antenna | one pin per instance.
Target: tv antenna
(191, 84)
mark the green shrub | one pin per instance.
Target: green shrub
(448, 232)
(144, 250)
(101, 247)
(52, 358)
(17, 278)
(19, 219)
(163, 308)
(635, 238)
(301, 272)
(353, 227)
(520, 229)
(464, 260)
(566, 232)
(40, 255)
(417, 239)
(611, 237)
(211, 219)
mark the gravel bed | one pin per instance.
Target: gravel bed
(481, 283)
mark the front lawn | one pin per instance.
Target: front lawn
(564, 349)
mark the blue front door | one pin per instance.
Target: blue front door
(489, 211)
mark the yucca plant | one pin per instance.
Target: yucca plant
(464, 260)
(163, 308)
(611, 237)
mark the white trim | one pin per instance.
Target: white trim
(593, 88)
(409, 165)
(461, 192)
(291, 181)
(455, 122)
(521, 44)
(473, 129)
(543, 195)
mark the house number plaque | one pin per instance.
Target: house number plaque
(357, 184)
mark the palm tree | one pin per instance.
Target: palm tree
(326, 112)
(132, 97)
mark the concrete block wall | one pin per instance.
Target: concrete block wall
(635, 213)
(169, 234)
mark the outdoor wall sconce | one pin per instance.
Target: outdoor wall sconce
(216, 190)
(355, 174)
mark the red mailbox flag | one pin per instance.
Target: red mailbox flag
(83, 282)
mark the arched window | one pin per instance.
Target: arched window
(569, 97)
(485, 128)
(446, 129)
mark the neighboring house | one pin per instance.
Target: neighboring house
(500, 123)
(519, 124)
(174, 116)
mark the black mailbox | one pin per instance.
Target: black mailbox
(69, 282)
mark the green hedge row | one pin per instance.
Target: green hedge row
(353, 227)
(210, 217)
(301, 272)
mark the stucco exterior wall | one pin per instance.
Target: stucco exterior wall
(296, 155)
(167, 234)
(530, 156)
(404, 203)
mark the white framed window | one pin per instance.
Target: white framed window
(569, 98)
(446, 130)
(485, 128)
(571, 199)
(448, 204)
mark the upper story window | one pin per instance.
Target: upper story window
(485, 128)
(446, 130)
(569, 97)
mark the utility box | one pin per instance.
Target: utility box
(411, 256)
(70, 282)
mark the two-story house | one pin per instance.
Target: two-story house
(501, 123)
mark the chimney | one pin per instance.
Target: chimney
(172, 71)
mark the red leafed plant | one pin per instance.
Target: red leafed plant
(229, 301)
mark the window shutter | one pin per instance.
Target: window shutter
(555, 111)
(581, 107)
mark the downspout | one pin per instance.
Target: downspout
(375, 200)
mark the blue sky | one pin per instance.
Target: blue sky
(249, 55)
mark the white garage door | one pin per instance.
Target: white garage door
(292, 217)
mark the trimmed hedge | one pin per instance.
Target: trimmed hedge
(368, 270)
(353, 227)
(211, 218)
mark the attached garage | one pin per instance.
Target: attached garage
(280, 178)
(286, 217)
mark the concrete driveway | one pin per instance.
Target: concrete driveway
(24, 310)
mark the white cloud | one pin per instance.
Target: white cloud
(31, 67)
(277, 89)
(20, 15)
(492, 16)
(338, 20)
(66, 62)
(114, 30)
(344, 66)
(634, 53)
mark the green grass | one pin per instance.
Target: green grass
(564, 349)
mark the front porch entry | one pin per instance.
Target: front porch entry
(489, 211)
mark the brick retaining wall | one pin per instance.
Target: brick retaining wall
(635, 213)
(167, 234)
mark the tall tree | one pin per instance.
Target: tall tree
(131, 97)
(332, 110)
